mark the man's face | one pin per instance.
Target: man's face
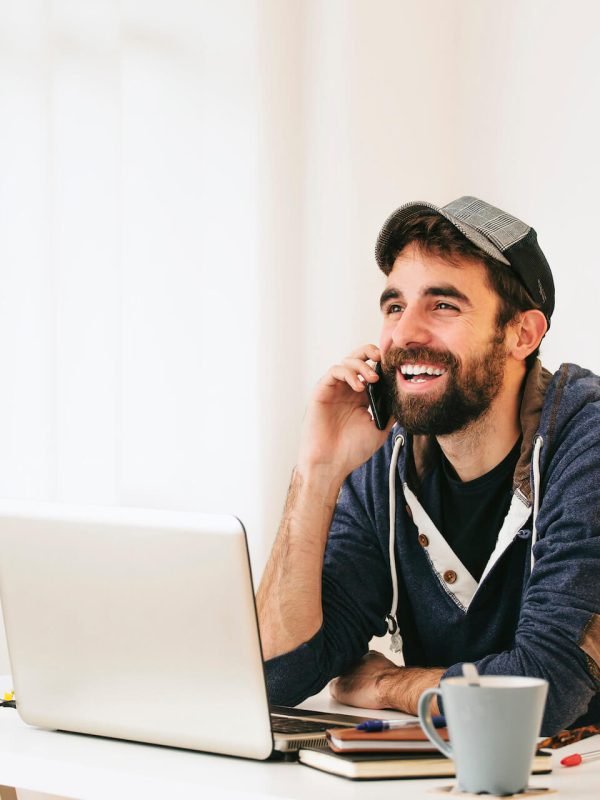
(443, 355)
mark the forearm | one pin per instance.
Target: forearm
(289, 597)
(376, 682)
(401, 688)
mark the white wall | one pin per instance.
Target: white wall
(414, 101)
(189, 198)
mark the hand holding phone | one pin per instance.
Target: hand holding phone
(379, 399)
(336, 432)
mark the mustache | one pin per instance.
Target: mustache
(396, 356)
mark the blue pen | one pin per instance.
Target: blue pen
(376, 725)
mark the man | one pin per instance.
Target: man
(470, 527)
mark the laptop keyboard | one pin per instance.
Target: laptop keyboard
(291, 725)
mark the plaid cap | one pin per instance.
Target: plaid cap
(500, 235)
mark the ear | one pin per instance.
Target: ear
(529, 330)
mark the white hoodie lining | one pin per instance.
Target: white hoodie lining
(517, 516)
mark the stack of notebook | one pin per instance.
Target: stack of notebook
(399, 753)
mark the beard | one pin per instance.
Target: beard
(470, 388)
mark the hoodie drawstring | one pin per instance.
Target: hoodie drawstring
(538, 443)
(392, 621)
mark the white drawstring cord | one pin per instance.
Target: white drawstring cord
(396, 642)
(537, 447)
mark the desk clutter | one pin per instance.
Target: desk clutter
(403, 752)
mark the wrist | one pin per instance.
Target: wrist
(322, 481)
(401, 688)
(387, 688)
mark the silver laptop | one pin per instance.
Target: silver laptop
(140, 625)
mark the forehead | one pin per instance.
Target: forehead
(415, 270)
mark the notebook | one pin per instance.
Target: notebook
(377, 766)
(407, 739)
(140, 625)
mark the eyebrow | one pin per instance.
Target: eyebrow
(445, 290)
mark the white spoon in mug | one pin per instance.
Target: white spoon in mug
(470, 673)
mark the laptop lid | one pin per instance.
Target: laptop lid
(134, 624)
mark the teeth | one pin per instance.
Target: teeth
(420, 369)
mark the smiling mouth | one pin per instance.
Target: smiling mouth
(420, 373)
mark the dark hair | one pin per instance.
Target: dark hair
(433, 233)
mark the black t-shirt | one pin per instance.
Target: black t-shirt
(470, 514)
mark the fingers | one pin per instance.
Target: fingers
(333, 688)
(366, 351)
(355, 370)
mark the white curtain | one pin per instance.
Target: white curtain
(189, 197)
(149, 295)
(142, 293)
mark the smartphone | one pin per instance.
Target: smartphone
(379, 399)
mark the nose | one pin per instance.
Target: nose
(411, 329)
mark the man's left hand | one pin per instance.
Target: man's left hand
(376, 682)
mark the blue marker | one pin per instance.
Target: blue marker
(376, 725)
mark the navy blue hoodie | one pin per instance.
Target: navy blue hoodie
(536, 609)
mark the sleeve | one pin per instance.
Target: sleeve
(356, 597)
(558, 632)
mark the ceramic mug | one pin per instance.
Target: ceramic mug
(492, 728)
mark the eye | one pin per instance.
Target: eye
(393, 308)
(442, 306)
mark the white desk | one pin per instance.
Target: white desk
(96, 769)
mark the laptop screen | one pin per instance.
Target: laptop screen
(134, 624)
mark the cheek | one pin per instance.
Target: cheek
(385, 338)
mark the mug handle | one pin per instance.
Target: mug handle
(427, 723)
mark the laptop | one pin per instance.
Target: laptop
(141, 625)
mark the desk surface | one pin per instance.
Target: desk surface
(80, 766)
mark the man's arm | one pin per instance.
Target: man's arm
(289, 597)
(338, 436)
(376, 682)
